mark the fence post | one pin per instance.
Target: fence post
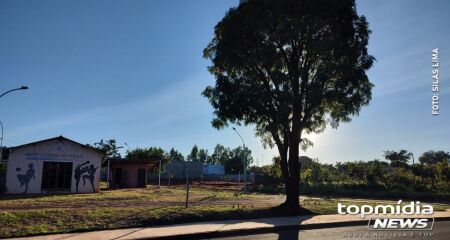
(187, 190)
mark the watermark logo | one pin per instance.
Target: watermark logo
(401, 224)
(398, 219)
(435, 83)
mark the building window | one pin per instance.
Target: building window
(57, 176)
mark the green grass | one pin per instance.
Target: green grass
(34, 215)
(33, 222)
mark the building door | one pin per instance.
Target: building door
(117, 177)
(141, 178)
(56, 176)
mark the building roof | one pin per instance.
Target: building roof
(152, 162)
(59, 138)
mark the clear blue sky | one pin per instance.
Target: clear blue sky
(133, 71)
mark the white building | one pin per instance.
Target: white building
(53, 165)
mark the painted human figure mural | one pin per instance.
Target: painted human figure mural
(90, 176)
(24, 179)
(82, 171)
(79, 171)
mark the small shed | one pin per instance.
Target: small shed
(129, 173)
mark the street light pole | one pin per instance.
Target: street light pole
(1, 139)
(15, 89)
(245, 160)
(1, 144)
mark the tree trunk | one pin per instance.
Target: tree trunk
(292, 189)
(292, 194)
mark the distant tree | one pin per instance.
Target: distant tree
(203, 155)
(375, 170)
(305, 162)
(261, 170)
(193, 156)
(220, 156)
(235, 163)
(109, 147)
(443, 171)
(4, 153)
(400, 178)
(175, 155)
(398, 158)
(289, 67)
(433, 157)
(149, 153)
(275, 169)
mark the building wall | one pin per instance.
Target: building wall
(25, 166)
(213, 169)
(129, 174)
(178, 169)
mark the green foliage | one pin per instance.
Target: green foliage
(220, 156)
(193, 156)
(443, 171)
(275, 169)
(175, 155)
(4, 153)
(198, 154)
(398, 158)
(109, 147)
(433, 157)
(237, 156)
(149, 153)
(375, 175)
(203, 155)
(400, 178)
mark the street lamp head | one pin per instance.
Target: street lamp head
(234, 128)
(24, 87)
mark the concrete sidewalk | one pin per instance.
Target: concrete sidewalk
(224, 228)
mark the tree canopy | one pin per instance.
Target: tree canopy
(109, 147)
(398, 158)
(193, 156)
(433, 157)
(175, 155)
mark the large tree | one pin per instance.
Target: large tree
(289, 67)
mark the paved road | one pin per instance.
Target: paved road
(441, 231)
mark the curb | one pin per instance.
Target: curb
(262, 230)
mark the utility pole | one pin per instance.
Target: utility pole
(187, 189)
(159, 175)
(244, 159)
